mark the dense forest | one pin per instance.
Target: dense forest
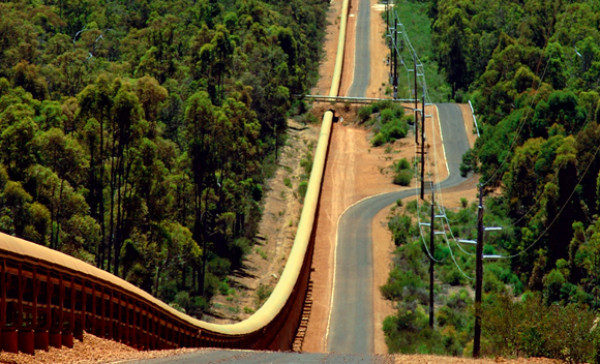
(137, 135)
(532, 70)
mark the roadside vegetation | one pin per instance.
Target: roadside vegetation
(403, 172)
(533, 79)
(555, 322)
(417, 23)
(389, 122)
(138, 136)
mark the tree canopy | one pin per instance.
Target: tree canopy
(531, 70)
(135, 134)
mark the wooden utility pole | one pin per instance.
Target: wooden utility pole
(478, 277)
(392, 56)
(395, 72)
(423, 147)
(416, 103)
(432, 252)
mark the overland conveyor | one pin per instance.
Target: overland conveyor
(50, 298)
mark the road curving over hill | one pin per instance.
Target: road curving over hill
(351, 322)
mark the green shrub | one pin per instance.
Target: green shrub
(378, 140)
(411, 206)
(553, 283)
(403, 174)
(531, 328)
(390, 129)
(451, 276)
(224, 287)
(395, 129)
(306, 163)
(404, 285)
(364, 113)
(302, 187)
(408, 331)
(409, 119)
(403, 177)
(200, 304)
(386, 115)
(211, 284)
(469, 163)
(257, 192)
(401, 164)
(219, 266)
(400, 228)
(183, 300)
(262, 293)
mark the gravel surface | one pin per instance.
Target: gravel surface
(433, 359)
(97, 350)
(91, 350)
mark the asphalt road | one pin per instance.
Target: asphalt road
(362, 54)
(260, 357)
(351, 326)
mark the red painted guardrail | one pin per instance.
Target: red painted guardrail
(48, 299)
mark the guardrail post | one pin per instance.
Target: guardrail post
(55, 332)
(19, 322)
(156, 329)
(165, 334)
(8, 336)
(26, 341)
(128, 340)
(120, 330)
(111, 315)
(141, 339)
(159, 330)
(175, 337)
(67, 327)
(35, 291)
(134, 326)
(145, 328)
(81, 322)
(26, 337)
(94, 310)
(101, 327)
(150, 329)
(42, 336)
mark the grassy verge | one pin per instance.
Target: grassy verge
(413, 15)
